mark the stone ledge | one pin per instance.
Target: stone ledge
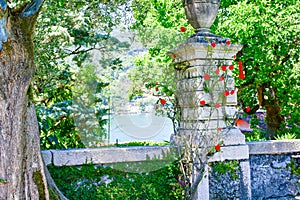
(240, 152)
(47, 157)
(274, 147)
(107, 155)
(233, 137)
(129, 154)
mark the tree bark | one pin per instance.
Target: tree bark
(21, 167)
(274, 119)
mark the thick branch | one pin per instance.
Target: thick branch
(32, 9)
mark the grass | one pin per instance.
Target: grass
(102, 182)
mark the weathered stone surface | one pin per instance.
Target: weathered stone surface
(189, 52)
(239, 152)
(190, 127)
(202, 192)
(198, 72)
(233, 137)
(225, 185)
(195, 84)
(274, 147)
(245, 180)
(130, 154)
(272, 178)
(192, 99)
(47, 157)
(208, 113)
(107, 155)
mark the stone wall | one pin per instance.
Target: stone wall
(272, 177)
(273, 165)
(270, 174)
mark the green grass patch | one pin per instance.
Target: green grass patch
(101, 182)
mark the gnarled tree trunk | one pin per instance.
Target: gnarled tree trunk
(21, 167)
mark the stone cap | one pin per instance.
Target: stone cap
(274, 147)
(107, 155)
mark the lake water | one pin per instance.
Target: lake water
(140, 127)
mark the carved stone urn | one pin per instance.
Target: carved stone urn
(201, 14)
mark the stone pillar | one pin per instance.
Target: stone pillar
(207, 97)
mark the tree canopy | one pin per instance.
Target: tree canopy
(269, 33)
(67, 34)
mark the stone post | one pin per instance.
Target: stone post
(200, 113)
(206, 97)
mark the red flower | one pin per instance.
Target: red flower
(234, 57)
(213, 44)
(163, 102)
(241, 75)
(240, 65)
(231, 67)
(219, 129)
(248, 109)
(221, 78)
(182, 29)
(202, 102)
(228, 42)
(218, 147)
(174, 56)
(224, 67)
(206, 77)
(217, 71)
(156, 89)
(232, 92)
(218, 105)
(226, 93)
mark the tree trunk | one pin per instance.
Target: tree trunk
(273, 120)
(21, 167)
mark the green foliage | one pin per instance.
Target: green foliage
(270, 34)
(157, 24)
(66, 34)
(286, 136)
(97, 182)
(294, 167)
(257, 133)
(228, 167)
(143, 143)
(57, 127)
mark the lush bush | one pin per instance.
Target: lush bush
(102, 182)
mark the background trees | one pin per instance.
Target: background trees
(269, 31)
(64, 28)
(68, 33)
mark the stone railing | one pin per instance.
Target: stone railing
(269, 175)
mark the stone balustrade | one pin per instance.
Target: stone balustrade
(268, 160)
